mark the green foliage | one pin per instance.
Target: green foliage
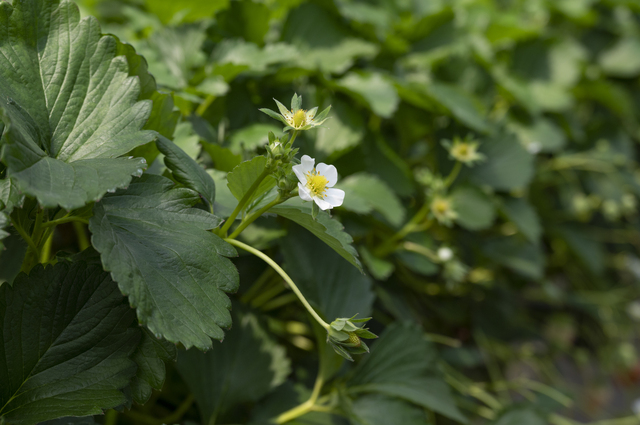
(246, 367)
(488, 154)
(64, 133)
(81, 328)
(144, 234)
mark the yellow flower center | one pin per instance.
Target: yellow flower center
(462, 151)
(354, 339)
(440, 206)
(317, 184)
(299, 118)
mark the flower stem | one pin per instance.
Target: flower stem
(284, 275)
(411, 226)
(248, 220)
(65, 220)
(305, 407)
(83, 240)
(247, 196)
(453, 174)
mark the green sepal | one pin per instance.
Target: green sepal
(315, 209)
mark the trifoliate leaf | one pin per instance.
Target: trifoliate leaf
(402, 364)
(324, 227)
(159, 251)
(69, 104)
(66, 337)
(187, 171)
(246, 367)
(336, 288)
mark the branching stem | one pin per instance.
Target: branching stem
(253, 217)
(243, 202)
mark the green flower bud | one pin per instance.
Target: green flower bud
(345, 336)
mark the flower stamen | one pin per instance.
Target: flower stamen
(299, 118)
(316, 183)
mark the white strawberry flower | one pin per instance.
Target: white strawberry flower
(297, 118)
(316, 183)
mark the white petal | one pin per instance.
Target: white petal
(311, 113)
(299, 170)
(304, 193)
(307, 163)
(334, 196)
(324, 205)
(283, 110)
(329, 171)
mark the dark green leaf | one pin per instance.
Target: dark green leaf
(402, 364)
(80, 111)
(524, 216)
(508, 165)
(247, 366)
(366, 189)
(329, 231)
(376, 409)
(475, 209)
(518, 255)
(379, 93)
(336, 288)
(159, 251)
(245, 174)
(245, 19)
(11, 256)
(67, 336)
(187, 171)
(150, 356)
(462, 105)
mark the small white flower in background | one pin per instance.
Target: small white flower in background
(316, 183)
(445, 254)
(297, 118)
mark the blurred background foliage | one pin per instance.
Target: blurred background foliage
(506, 291)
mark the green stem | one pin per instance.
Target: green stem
(83, 240)
(305, 407)
(202, 108)
(111, 417)
(253, 217)
(293, 137)
(278, 302)
(453, 174)
(284, 275)
(247, 196)
(25, 236)
(424, 251)
(412, 225)
(65, 220)
(46, 248)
